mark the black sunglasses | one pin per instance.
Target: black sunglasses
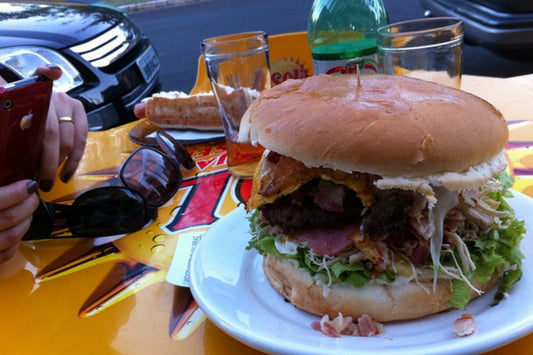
(150, 176)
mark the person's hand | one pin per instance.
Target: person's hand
(65, 136)
(139, 110)
(18, 201)
(64, 141)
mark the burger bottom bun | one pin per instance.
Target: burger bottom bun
(384, 303)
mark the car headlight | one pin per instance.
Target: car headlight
(24, 61)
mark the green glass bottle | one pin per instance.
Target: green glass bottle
(342, 35)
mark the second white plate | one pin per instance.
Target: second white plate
(229, 285)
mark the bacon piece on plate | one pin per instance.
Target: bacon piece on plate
(365, 326)
(465, 325)
(368, 327)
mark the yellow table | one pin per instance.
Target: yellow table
(109, 296)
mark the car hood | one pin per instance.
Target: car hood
(52, 24)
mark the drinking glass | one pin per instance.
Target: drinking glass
(428, 48)
(238, 68)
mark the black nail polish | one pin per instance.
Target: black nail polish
(46, 185)
(65, 177)
(31, 187)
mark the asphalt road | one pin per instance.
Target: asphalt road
(176, 32)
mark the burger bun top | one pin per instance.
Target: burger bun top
(390, 126)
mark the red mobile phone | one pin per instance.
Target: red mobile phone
(23, 111)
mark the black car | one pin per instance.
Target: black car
(108, 64)
(504, 26)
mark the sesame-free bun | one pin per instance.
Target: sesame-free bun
(384, 303)
(391, 126)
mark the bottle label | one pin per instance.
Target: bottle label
(366, 64)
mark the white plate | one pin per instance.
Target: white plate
(229, 285)
(193, 136)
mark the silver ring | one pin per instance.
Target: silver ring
(66, 119)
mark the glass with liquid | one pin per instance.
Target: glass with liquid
(238, 68)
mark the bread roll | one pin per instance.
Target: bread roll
(177, 109)
(384, 303)
(390, 126)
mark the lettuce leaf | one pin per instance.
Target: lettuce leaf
(461, 294)
(497, 249)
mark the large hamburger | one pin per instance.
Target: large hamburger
(380, 195)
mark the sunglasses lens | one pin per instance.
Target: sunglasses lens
(152, 174)
(174, 148)
(107, 211)
(42, 222)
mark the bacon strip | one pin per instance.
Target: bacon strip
(327, 241)
(330, 197)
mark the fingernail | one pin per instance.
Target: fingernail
(53, 67)
(31, 187)
(46, 185)
(65, 177)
